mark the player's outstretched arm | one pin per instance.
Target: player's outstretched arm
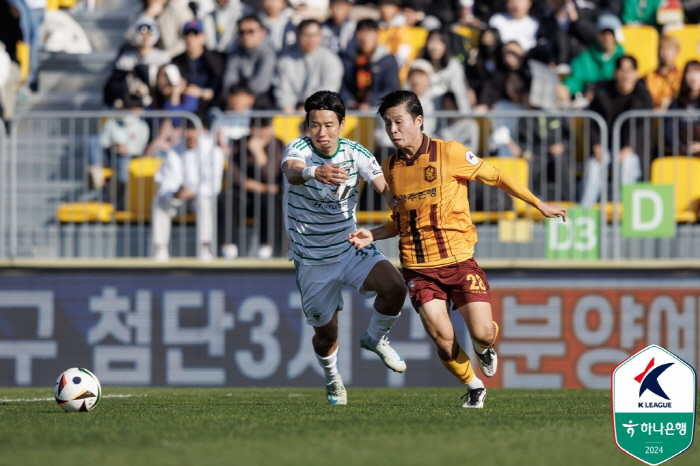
(297, 172)
(381, 186)
(363, 237)
(551, 210)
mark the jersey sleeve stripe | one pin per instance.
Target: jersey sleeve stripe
(417, 245)
(436, 230)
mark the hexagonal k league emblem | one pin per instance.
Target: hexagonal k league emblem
(653, 405)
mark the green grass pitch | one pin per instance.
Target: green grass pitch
(295, 426)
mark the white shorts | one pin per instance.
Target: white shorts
(320, 285)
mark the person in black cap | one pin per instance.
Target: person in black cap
(201, 68)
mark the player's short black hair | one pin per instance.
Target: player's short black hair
(619, 60)
(400, 97)
(325, 100)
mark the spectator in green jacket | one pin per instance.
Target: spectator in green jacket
(598, 62)
(640, 11)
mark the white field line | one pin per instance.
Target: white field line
(21, 400)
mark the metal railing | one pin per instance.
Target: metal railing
(666, 140)
(523, 132)
(4, 188)
(46, 166)
(56, 208)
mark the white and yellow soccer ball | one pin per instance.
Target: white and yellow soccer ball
(77, 389)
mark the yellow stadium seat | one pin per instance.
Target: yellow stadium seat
(52, 5)
(642, 42)
(287, 127)
(141, 190)
(67, 3)
(470, 33)
(360, 129)
(518, 169)
(689, 35)
(683, 173)
(23, 59)
(376, 217)
(82, 212)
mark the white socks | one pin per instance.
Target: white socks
(329, 364)
(379, 325)
(475, 383)
(478, 348)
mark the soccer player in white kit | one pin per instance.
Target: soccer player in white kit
(321, 190)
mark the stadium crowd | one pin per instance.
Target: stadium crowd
(215, 56)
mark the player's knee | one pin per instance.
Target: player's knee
(483, 335)
(323, 344)
(394, 289)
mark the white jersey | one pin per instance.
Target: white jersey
(319, 217)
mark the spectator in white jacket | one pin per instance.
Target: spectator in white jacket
(188, 182)
(306, 68)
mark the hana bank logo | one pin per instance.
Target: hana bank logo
(649, 381)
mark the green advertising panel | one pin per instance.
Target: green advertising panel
(577, 238)
(649, 211)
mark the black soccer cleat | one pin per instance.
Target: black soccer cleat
(474, 398)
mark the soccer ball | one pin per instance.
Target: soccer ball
(77, 389)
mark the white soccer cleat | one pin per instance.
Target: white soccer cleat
(488, 362)
(336, 393)
(474, 398)
(389, 357)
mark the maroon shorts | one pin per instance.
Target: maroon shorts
(461, 283)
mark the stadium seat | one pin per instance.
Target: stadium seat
(23, 59)
(85, 212)
(287, 127)
(642, 42)
(518, 169)
(683, 173)
(140, 190)
(374, 217)
(689, 35)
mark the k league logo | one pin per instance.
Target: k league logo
(653, 404)
(650, 381)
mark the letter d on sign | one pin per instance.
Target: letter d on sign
(657, 209)
(649, 211)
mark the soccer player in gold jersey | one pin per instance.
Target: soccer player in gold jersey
(428, 179)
